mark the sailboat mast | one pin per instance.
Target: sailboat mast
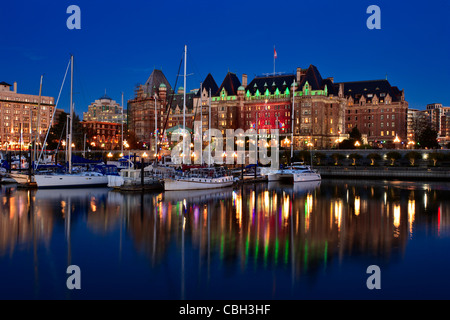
(37, 134)
(122, 128)
(209, 130)
(292, 120)
(184, 105)
(71, 115)
(156, 130)
(201, 122)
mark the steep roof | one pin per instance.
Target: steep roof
(357, 89)
(271, 83)
(5, 84)
(207, 84)
(179, 98)
(154, 81)
(231, 84)
(313, 77)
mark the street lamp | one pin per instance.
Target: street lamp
(396, 141)
(357, 144)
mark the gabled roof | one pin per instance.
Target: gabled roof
(207, 84)
(357, 89)
(313, 77)
(154, 81)
(231, 84)
(271, 83)
(5, 84)
(178, 101)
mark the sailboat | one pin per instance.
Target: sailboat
(197, 179)
(71, 180)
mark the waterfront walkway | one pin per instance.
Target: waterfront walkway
(400, 173)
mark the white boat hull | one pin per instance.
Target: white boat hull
(197, 183)
(70, 181)
(306, 177)
(294, 177)
(21, 178)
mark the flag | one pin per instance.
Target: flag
(274, 53)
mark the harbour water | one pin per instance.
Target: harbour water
(262, 241)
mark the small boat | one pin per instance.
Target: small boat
(297, 172)
(132, 180)
(86, 179)
(199, 179)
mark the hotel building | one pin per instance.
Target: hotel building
(323, 111)
(105, 109)
(22, 115)
(377, 109)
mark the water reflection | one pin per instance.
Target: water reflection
(293, 230)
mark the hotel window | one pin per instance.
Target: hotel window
(393, 124)
(387, 133)
(382, 117)
(382, 133)
(382, 125)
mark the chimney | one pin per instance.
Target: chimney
(244, 80)
(299, 71)
(331, 79)
(15, 87)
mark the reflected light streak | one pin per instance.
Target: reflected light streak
(396, 215)
(411, 215)
(357, 206)
(338, 212)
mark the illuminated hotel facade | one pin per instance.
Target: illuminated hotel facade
(19, 118)
(324, 112)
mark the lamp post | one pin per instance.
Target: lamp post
(310, 145)
(396, 141)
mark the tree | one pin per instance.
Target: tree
(428, 138)
(57, 131)
(373, 157)
(355, 134)
(336, 157)
(393, 156)
(412, 157)
(303, 156)
(435, 157)
(348, 144)
(355, 157)
(319, 156)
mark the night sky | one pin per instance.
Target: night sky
(121, 42)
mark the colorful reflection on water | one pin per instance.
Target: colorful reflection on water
(261, 241)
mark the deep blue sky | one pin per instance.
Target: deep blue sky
(122, 41)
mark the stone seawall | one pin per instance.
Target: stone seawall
(385, 173)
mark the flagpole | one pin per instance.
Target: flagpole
(274, 57)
